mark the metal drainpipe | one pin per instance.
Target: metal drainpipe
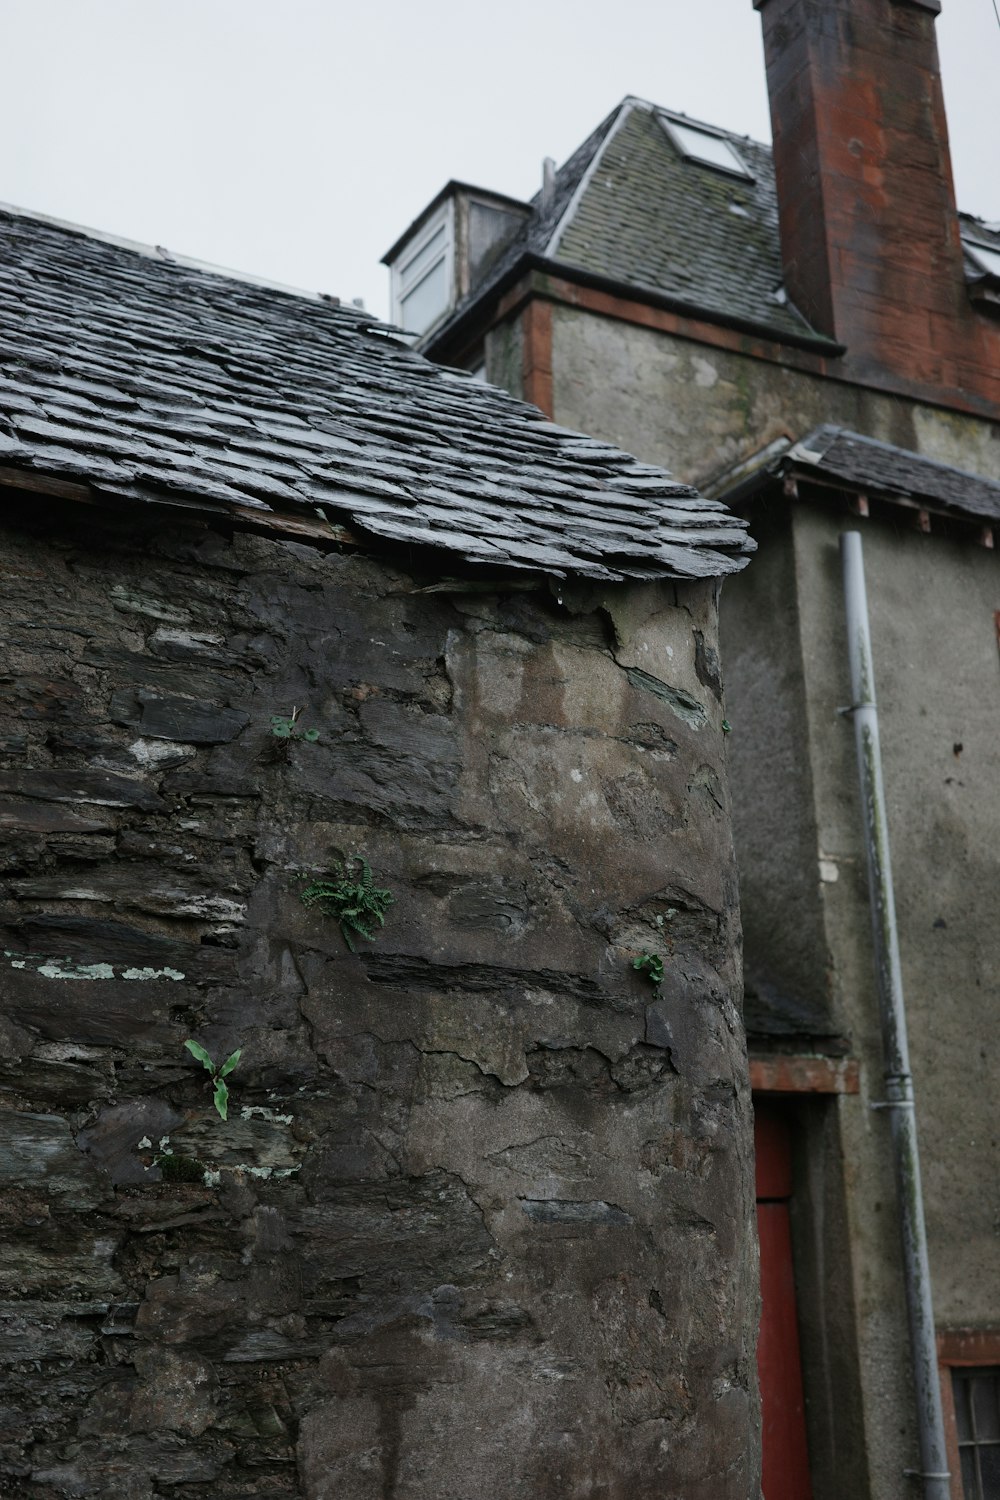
(892, 1013)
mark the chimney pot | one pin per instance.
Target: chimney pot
(548, 181)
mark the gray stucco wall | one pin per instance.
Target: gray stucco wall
(932, 603)
(504, 354)
(480, 1220)
(787, 961)
(933, 600)
(698, 410)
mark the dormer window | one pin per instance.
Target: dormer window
(709, 147)
(449, 249)
(423, 276)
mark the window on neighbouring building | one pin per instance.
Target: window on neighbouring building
(706, 146)
(976, 1391)
(422, 277)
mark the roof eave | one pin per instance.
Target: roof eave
(744, 479)
(465, 322)
(786, 473)
(984, 290)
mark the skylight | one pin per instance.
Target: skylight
(706, 146)
(985, 257)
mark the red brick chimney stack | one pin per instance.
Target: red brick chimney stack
(869, 229)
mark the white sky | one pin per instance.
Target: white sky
(297, 138)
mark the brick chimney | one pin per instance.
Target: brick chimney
(869, 228)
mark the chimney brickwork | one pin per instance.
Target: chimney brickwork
(869, 226)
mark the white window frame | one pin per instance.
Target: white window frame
(673, 126)
(403, 283)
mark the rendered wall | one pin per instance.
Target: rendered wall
(480, 1219)
(932, 603)
(698, 410)
(787, 961)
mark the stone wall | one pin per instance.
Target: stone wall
(479, 1218)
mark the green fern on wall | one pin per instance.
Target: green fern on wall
(349, 894)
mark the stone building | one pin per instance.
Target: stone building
(288, 608)
(811, 333)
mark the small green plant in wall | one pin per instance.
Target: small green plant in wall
(220, 1089)
(349, 895)
(175, 1168)
(650, 964)
(285, 727)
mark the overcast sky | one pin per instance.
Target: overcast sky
(297, 138)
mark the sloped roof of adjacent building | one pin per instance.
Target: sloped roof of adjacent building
(864, 463)
(152, 380)
(721, 252)
(850, 461)
(629, 208)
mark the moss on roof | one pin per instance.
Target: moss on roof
(659, 221)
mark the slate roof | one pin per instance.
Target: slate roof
(660, 221)
(631, 209)
(979, 231)
(150, 379)
(875, 469)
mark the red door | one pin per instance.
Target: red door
(779, 1367)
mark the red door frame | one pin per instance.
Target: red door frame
(779, 1365)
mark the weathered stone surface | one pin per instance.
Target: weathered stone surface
(170, 718)
(31, 817)
(112, 1141)
(478, 1219)
(39, 1150)
(81, 787)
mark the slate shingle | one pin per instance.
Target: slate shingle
(145, 378)
(652, 218)
(882, 469)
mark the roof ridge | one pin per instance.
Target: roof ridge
(621, 115)
(171, 257)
